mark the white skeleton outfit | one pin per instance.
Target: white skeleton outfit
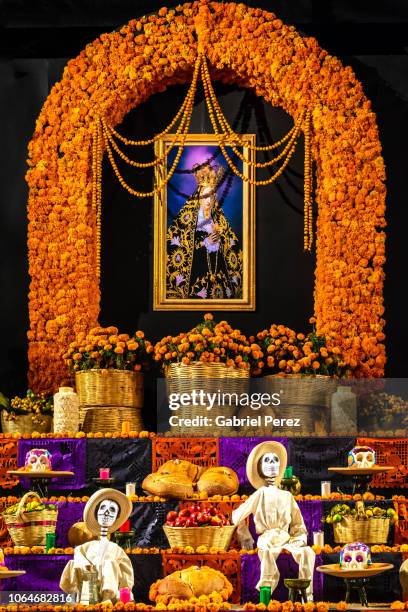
(104, 513)
(277, 517)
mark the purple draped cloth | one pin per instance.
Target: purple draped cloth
(68, 514)
(288, 568)
(43, 572)
(68, 454)
(233, 453)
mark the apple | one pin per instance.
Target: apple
(201, 518)
(212, 511)
(170, 523)
(184, 512)
(171, 516)
(216, 521)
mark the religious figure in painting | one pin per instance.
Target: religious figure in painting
(204, 257)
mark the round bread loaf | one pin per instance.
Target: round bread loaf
(218, 481)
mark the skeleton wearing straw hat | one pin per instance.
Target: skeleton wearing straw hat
(104, 513)
(278, 521)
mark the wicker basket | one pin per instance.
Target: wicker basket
(24, 423)
(301, 390)
(121, 388)
(358, 529)
(30, 528)
(220, 537)
(110, 419)
(183, 378)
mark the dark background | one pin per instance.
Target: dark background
(36, 39)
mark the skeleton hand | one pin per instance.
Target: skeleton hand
(247, 542)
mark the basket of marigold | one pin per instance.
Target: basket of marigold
(213, 358)
(108, 369)
(27, 414)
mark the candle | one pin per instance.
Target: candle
(126, 427)
(104, 473)
(325, 488)
(318, 538)
(125, 595)
(125, 528)
(130, 489)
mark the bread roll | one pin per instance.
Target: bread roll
(191, 582)
(218, 481)
(176, 486)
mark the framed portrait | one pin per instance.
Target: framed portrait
(204, 227)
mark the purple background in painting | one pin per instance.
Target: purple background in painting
(288, 568)
(67, 455)
(233, 453)
(187, 184)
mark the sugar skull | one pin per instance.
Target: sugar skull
(269, 465)
(362, 457)
(38, 460)
(355, 556)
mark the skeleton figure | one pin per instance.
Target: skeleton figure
(355, 556)
(104, 513)
(38, 460)
(278, 521)
(362, 457)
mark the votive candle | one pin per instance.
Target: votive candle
(130, 489)
(318, 538)
(326, 488)
(125, 595)
(104, 473)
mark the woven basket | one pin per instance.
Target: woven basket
(182, 378)
(110, 419)
(357, 529)
(121, 388)
(24, 424)
(30, 528)
(220, 537)
(301, 390)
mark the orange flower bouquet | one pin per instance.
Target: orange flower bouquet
(210, 342)
(288, 352)
(106, 348)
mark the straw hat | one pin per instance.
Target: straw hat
(125, 509)
(255, 455)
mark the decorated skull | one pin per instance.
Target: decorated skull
(38, 460)
(270, 465)
(362, 457)
(355, 556)
(107, 512)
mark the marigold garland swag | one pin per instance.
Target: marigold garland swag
(251, 48)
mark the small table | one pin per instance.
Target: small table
(124, 538)
(355, 579)
(297, 588)
(40, 480)
(362, 477)
(9, 574)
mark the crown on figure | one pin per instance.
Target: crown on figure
(207, 174)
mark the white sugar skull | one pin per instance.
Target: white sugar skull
(355, 556)
(362, 457)
(270, 465)
(38, 460)
(107, 513)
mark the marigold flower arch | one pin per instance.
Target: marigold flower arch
(251, 48)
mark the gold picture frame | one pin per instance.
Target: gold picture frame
(241, 292)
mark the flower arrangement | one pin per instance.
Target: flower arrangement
(288, 352)
(105, 348)
(210, 342)
(117, 72)
(32, 404)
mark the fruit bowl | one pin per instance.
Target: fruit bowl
(198, 525)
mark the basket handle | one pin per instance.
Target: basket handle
(20, 511)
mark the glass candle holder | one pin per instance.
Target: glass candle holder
(318, 538)
(104, 473)
(325, 488)
(130, 489)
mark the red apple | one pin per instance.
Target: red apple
(171, 516)
(184, 512)
(212, 511)
(201, 518)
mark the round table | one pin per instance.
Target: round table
(356, 579)
(362, 477)
(40, 480)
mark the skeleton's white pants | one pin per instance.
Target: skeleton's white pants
(304, 557)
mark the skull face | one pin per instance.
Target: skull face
(270, 465)
(107, 513)
(38, 460)
(362, 457)
(355, 556)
